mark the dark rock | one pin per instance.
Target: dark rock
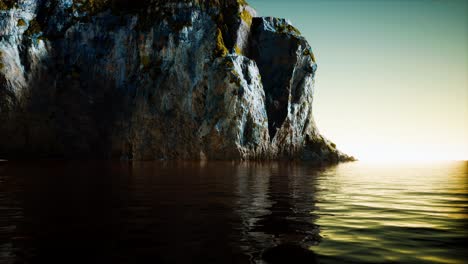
(155, 80)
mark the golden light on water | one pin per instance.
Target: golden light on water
(403, 202)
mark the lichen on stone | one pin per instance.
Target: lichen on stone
(229, 64)
(308, 52)
(235, 78)
(242, 2)
(238, 50)
(145, 61)
(246, 17)
(287, 28)
(220, 49)
(21, 23)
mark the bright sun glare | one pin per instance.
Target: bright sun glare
(402, 154)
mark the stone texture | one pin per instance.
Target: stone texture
(155, 80)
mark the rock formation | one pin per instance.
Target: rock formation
(155, 79)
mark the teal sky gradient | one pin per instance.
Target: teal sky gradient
(392, 78)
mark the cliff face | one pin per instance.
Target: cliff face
(155, 80)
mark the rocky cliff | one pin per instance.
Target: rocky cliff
(155, 79)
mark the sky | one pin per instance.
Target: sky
(392, 79)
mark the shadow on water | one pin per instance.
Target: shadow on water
(158, 212)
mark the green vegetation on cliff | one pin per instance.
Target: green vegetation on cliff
(238, 50)
(309, 53)
(21, 23)
(246, 17)
(287, 28)
(220, 49)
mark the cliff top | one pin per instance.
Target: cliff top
(94, 6)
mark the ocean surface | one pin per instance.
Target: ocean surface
(224, 212)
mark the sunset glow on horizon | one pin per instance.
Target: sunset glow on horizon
(392, 79)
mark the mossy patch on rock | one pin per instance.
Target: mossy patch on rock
(235, 78)
(246, 17)
(220, 49)
(229, 64)
(308, 52)
(21, 23)
(287, 28)
(238, 50)
(145, 61)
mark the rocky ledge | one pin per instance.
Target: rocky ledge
(155, 80)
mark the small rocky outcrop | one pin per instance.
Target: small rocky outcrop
(155, 80)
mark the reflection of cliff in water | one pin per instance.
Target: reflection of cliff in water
(276, 202)
(168, 212)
